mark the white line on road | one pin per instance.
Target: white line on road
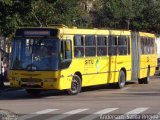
(36, 114)
(130, 92)
(126, 88)
(131, 114)
(45, 111)
(137, 111)
(98, 114)
(67, 114)
(104, 111)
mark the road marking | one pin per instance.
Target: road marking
(36, 114)
(98, 114)
(126, 88)
(45, 111)
(130, 92)
(104, 111)
(137, 111)
(67, 114)
(131, 114)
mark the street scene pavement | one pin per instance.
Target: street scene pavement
(74, 43)
(134, 101)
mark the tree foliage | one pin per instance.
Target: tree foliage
(129, 14)
(58, 12)
(11, 12)
(120, 14)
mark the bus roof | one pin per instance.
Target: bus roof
(77, 31)
(145, 34)
(57, 29)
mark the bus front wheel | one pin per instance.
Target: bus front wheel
(75, 85)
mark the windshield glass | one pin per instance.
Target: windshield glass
(35, 54)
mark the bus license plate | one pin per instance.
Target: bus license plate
(30, 84)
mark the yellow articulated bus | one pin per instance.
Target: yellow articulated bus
(58, 57)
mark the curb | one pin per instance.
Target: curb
(7, 115)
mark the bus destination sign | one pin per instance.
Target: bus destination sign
(36, 33)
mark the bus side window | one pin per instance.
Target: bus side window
(78, 46)
(101, 45)
(122, 45)
(90, 45)
(112, 45)
(152, 46)
(128, 39)
(65, 54)
(142, 45)
(66, 50)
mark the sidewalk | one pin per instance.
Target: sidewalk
(7, 115)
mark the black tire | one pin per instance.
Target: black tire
(140, 81)
(121, 80)
(75, 85)
(146, 79)
(33, 92)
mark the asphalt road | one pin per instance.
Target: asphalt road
(135, 101)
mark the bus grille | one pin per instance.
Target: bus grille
(31, 80)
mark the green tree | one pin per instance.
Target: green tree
(120, 14)
(114, 14)
(141, 15)
(18, 13)
(57, 12)
(5, 17)
(10, 13)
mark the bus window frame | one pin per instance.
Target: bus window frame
(123, 46)
(112, 44)
(65, 62)
(79, 48)
(102, 46)
(90, 45)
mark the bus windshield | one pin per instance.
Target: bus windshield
(35, 54)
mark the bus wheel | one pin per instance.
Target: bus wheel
(75, 86)
(140, 81)
(121, 80)
(146, 79)
(33, 91)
